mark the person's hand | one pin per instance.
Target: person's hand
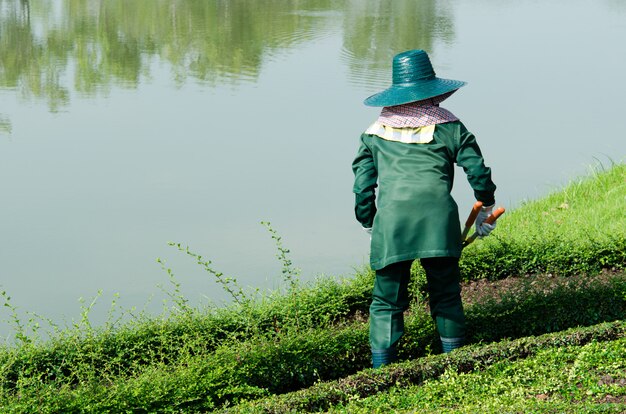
(483, 229)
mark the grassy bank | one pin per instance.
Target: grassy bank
(559, 378)
(203, 359)
(444, 382)
(579, 229)
(201, 379)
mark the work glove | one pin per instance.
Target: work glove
(483, 229)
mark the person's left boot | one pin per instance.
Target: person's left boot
(449, 344)
(382, 357)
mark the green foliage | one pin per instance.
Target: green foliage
(572, 379)
(420, 335)
(323, 396)
(21, 333)
(239, 370)
(579, 229)
(291, 275)
(191, 359)
(188, 369)
(83, 355)
(547, 305)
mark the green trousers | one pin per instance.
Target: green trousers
(390, 299)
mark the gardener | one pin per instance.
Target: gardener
(409, 154)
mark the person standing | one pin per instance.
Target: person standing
(408, 157)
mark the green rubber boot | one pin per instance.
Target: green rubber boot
(450, 344)
(382, 357)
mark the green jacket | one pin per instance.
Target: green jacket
(414, 215)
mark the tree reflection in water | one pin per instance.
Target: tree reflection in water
(100, 44)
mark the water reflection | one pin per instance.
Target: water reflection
(96, 192)
(5, 125)
(49, 50)
(27, 62)
(375, 31)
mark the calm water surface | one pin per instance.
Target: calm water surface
(126, 125)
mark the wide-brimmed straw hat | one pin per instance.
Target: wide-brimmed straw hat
(413, 80)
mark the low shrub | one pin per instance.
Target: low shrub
(74, 356)
(287, 361)
(586, 378)
(285, 341)
(534, 305)
(246, 370)
(323, 396)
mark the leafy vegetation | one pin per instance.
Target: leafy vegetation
(580, 229)
(471, 359)
(573, 379)
(263, 348)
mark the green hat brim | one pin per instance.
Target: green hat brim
(403, 94)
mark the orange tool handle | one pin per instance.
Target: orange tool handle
(472, 217)
(490, 220)
(494, 215)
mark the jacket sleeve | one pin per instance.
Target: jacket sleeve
(365, 178)
(470, 158)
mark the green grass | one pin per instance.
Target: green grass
(586, 379)
(201, 359)
(90, 372)
(390, 387)
(579, 229)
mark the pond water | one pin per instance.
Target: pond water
(126, 125)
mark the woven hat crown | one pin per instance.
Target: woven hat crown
(413, 79)
(412, 66)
